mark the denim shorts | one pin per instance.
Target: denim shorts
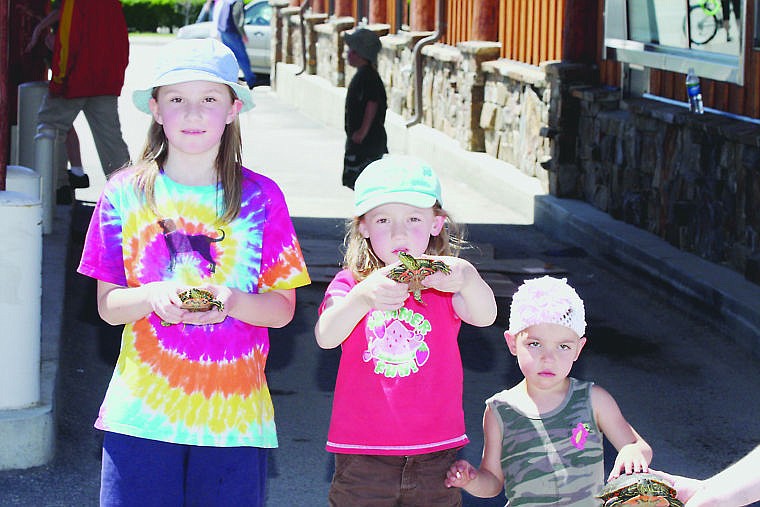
(145, 473)
(393, 481)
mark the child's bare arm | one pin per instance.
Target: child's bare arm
(486, 481)
(473, 299)
(341, 314)
(52, 18)
(273, 308)
(634, 454)
(369, 115)
(119, 305)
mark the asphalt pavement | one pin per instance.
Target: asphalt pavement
(670, 361)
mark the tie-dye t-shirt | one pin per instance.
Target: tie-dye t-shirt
(188, 384)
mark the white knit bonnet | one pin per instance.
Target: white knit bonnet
(547, 300)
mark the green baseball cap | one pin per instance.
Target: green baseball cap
(396, 179)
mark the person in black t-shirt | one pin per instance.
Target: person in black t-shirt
(366, 102)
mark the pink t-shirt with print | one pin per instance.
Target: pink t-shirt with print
(399, 385)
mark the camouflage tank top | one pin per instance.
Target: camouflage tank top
(554, 458)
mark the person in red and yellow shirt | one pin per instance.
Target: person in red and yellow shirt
(90, 55)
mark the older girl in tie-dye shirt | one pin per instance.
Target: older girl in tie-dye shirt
(188, 401)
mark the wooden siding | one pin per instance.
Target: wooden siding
(390, 14)
(530, 31)
(397, 14)
(459, 18)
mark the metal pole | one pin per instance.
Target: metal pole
(301, 13)
(4, 86)
(417, 60)
(48, 148)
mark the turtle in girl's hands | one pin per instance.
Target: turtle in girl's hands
(641, 489)
(412, 271)
(199, 300)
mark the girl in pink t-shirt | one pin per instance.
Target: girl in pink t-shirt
(397, 419)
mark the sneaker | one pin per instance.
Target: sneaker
(76, 181)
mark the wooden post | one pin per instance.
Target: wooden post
(580, 31)
(378, 11)
(318, 6)
(485, 14)
(423, 16)
(344, 8)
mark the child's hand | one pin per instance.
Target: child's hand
(164, 300)
(630, 460)
(215, 315)
(380, 292)
(472, 298)
(461, 273)
(460, 474)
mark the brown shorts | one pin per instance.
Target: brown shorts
(393, 481)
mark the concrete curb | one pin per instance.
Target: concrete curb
(576, 222)
(27, 436)
(718, 287)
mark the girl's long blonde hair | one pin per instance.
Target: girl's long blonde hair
(229, 166)
(361, 260)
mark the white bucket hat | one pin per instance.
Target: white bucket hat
(194, 60)
(547, 300)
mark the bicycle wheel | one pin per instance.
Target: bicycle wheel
(702, 26)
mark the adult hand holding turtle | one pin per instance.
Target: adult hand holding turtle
(737, 485)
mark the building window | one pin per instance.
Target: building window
(676, 35)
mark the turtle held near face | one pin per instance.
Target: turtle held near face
(640, 489)
(412, 271)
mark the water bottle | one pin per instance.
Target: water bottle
(694, 92)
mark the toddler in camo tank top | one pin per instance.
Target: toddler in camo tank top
(543, 437)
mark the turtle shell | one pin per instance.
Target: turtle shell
(617, 487)
(197, 300)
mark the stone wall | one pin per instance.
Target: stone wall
(394, 64)
(516, 104)
(692, 180)
(330, 62)
(289, 24)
